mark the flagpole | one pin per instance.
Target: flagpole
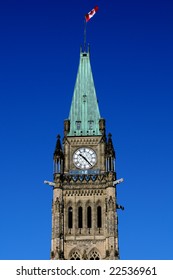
(86, 19)
(84, 34)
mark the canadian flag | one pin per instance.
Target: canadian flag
(91, 13)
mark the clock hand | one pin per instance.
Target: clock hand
(85, 159)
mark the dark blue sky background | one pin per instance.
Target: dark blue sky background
(132, 61)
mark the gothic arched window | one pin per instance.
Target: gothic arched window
(89, 217)
(80, 218)
(70, 217)
(99, 216)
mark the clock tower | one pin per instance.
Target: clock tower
(84, 208)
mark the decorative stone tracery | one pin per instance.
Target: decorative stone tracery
(75, 256)
(94, 255)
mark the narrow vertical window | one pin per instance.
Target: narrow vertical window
(90, 125)
(89, 221)
(70, 217)
(110, 163)
(80, 221)
(78, 125)
(99, 217)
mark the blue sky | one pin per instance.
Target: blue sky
(132, 61)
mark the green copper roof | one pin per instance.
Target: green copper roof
(84, 112)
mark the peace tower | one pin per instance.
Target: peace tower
(84, 207)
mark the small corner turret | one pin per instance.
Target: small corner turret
(110, 154)
(58, 156)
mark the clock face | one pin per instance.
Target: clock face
(84, 158)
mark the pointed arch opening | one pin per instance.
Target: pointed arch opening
(89, 217)
(99, 216)
(70, 217)
(80, 217)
